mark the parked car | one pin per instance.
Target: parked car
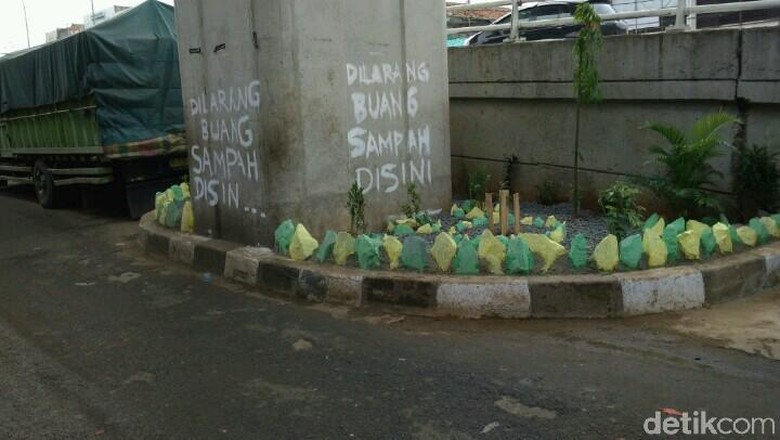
(548, 10)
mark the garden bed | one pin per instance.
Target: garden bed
(374, 250)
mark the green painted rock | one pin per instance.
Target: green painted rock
(463, 226)
(480, 222)
(578, 253)
(466, 260)
(631, 251)
(519, 259)
(403, 231)
(708, 242)
(367, 250)
(283, 236)
(326, 248)
(761, 231)
(672, 247)
(651, 221)
(415, 254)
(677, 226)
(734, 236)
(458, 213)
(538, 222)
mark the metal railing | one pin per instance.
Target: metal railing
(680, 12)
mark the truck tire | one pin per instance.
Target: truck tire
(44, 185)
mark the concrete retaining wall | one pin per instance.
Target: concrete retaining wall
(554, 296)
(518, 99)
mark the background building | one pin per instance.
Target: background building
(103, 15)
(60, 33)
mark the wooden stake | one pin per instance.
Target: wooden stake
(503, 195)
(516, 198)
(489, 209)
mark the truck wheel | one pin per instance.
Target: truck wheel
(44, 185)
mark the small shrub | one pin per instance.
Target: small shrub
(686, 165)
(357, 205)
(411, 209)
(509, 165)
(478, 183)
(756, 176)
(619, 205)
(548, 192)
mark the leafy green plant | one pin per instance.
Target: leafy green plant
(586, 77)
(357, 205)
(413, 207)
(623, 214)
(509, 165)
(548, 192)
(478, 184)
(756, 175)
(686, 166)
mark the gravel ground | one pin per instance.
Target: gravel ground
(592, 225)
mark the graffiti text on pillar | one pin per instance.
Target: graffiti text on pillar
(224, 158)
(389, 146)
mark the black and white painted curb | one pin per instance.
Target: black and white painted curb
(554, 296)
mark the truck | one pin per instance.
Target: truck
(102, 108)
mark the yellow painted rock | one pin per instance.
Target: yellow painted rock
(747, 235)
(453, 209)
(496, 218)
(187, 218)
(390, 227)
(443, 251)
(551, 222)
(425, 229)
(606, 254)
(771, 226)
(656, 249)
(344, 247)
(723, 238)
(559, 234)
(393, 248)
(303, 244)
(453, 231)
(527, 221)
(698, 227)
(475, 213)
(412, 223)
(690, 243)
(492, 251)
(657, 230)
(548, 250)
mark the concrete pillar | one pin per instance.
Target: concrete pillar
(291, 101)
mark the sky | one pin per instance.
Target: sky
(44, 16)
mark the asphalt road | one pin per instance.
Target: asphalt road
(100, 341)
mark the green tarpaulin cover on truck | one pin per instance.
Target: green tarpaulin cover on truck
(129, 65)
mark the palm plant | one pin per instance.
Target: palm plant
(686, 164)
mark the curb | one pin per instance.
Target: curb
(554, 296)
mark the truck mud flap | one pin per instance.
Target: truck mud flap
(140, 195)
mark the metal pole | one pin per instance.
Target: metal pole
(679, 22)
(513, 31)
(692, 17)
(26, 25)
